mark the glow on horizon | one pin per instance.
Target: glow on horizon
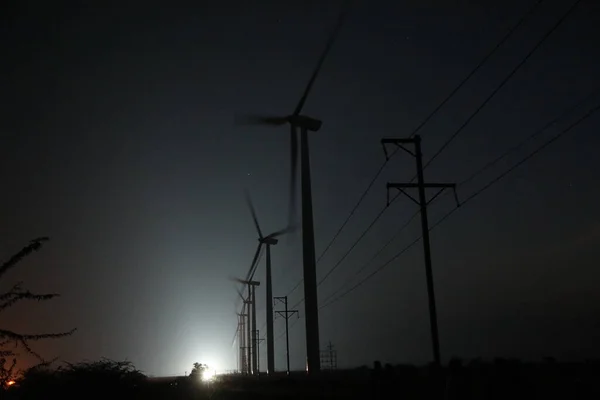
(209, 374)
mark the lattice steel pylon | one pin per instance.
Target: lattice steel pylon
(329, 358)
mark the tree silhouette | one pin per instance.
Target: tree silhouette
(198, 370)
(86, 379)
(8, 299)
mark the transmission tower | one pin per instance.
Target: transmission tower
(242, 359)
(422, 202)
(329, 358)
(285, 313)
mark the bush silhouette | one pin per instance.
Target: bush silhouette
(104, 377)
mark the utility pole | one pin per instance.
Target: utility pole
(258, 342)
(422, 202)
(285, 313)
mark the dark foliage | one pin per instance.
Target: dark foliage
(11, 341)
(197, 370)
(82, 380)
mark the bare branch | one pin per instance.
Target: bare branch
(17, 288)
(13, 297)
(23, 339)
(34, 245)
(6, 373)
(16, 294)
(18, 336)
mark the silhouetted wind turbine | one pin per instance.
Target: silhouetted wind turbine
(243, 334)
(269, 241)
(305, 124)
(251, 318)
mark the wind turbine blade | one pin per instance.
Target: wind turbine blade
(280, 232)
(261, 120)
(250, 274)
(237, 301)
(293, 174)
(256, 264)
(253, 212)
(239, 292)
(235, 336)
(237, 289)
(311, 81)
(238, 280)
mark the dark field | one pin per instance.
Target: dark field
(498, 380)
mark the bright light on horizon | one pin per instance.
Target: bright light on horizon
(211, 360)
(208, 374)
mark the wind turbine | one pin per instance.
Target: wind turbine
(244, 333)
(241, 338)
(306, 124)
(250, 303)
(268, 241)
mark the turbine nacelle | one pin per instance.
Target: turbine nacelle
(296, 120)
(304, 122)
(245, 281)
(268, 240)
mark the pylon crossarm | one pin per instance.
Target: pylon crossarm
(456, 197)
(281, 299)
(406, 150)
(387, 157)
(425, 185)
(435, 196)
(403, 192)
(399, 143)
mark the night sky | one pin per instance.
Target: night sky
(119, 141)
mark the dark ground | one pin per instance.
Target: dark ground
(500, 380)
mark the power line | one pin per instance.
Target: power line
(336, 265)
(362, 235)
(477, 67)
(358, 203)
(421, 125)
(290, 328)
(472, 176)
(298, 303)
(528, 138)
(295, 287)
(361, 282)
(590, 112)
(377, 253)
(360, 200)
(503, 82)
(471, 197)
